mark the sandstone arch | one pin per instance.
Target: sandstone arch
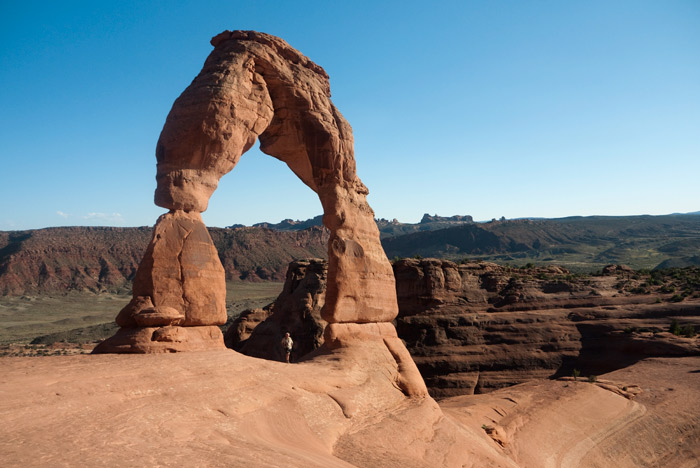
(254, 85)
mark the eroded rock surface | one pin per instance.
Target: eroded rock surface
(297, 310)
(476, 327)
(254, 85)
(221, 408)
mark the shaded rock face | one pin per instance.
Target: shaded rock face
(254, 85)
(297, 310)
(476, 327)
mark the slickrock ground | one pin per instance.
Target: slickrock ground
(220, 408)
(566, 423)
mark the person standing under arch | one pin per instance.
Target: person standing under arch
(287, 344)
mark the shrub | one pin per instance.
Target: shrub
(675, 327)
(688, 331)
(592, 378)
(576, 373)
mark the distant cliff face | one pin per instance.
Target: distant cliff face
(582, 243)
(264, 254)
(57, 259)
(95, 258)
(106, 258)
(476, 327)
(427, 218)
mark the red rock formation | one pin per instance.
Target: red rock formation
(476, 327)
(254, 85)
(96, 259)
(297, 310)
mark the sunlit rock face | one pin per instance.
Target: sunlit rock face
(252, 86)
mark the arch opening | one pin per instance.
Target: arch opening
(260, 189)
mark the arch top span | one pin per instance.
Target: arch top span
(256, 86)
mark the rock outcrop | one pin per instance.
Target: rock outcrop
(456, 219)
(252, 86)
(297, 310)
(476, 327)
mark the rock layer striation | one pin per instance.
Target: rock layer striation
(477, 327)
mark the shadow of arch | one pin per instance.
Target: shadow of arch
(604, 349)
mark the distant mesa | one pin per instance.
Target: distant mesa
(446, 219)
(292, 225)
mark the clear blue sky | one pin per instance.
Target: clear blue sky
(488, 108)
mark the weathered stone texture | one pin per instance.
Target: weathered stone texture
(254, 85)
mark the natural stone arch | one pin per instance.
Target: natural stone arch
(254, 85)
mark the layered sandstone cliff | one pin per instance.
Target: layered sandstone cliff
(98, 259)
(476, 327)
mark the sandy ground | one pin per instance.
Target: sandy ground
(342, 409)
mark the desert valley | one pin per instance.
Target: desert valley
(445, 343)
